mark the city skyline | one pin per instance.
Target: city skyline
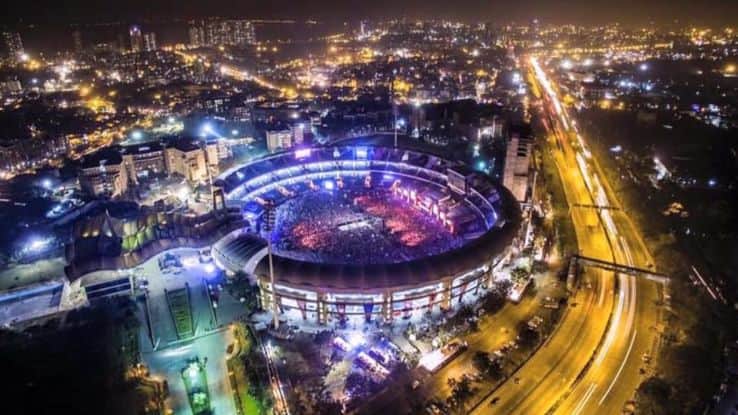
(581, 12)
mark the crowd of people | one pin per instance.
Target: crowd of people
(357, 225)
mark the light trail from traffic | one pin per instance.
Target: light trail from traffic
(614, 355)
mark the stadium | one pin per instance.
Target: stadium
(365, 233)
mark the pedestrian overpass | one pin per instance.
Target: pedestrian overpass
(615, 267)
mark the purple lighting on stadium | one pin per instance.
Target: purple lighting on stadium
(329, 185)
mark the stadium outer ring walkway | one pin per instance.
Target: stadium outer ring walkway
(324, 293)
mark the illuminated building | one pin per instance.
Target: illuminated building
(149, 41)
(278, 139)
(298, 133)
(217, 32)
(13, 45)
(196, 35)
(103, 174)
(186, 158)
(143, 161)
(136, 38)
(517, 165)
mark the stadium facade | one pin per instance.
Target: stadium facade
(469, 207)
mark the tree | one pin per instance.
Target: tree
(486, 366)
(461, 392)
(503, 287)
(242, 288)
(654, 397)
(527, 336)
(493, 301)
(461, 316)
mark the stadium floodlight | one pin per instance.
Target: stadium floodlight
(207, 129)
(302, 153)
(37, 244)
(136, 135)
(209, 268)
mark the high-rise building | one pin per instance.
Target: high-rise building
(136, 39)
(278, 139)
(517, 165)
(298, 133)
(77, 40)
(197, 35)
(222, 32)
(149, 41)
(187, 159)
(13, 44)
(243, 32)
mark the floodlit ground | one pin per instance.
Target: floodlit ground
(165, 354)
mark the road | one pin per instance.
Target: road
(593, 367)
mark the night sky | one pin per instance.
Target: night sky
(632, 12)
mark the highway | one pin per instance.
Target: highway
(594, 366)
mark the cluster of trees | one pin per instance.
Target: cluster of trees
(461, 392)
(487, 366)
(690, 361)
(494, 299)
(361, 386)
(255, 367)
